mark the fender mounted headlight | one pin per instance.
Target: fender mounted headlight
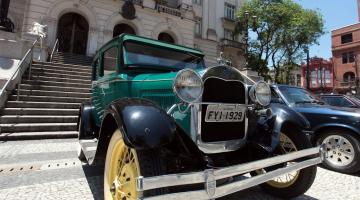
(260, 93)
(188, 85)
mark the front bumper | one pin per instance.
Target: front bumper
(209, 176)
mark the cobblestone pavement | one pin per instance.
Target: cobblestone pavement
(49, 169)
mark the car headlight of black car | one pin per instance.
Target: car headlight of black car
(260, 93)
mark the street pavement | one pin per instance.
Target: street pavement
(49, 169)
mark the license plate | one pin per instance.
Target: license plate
(225, 113)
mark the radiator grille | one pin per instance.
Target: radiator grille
(221, 91)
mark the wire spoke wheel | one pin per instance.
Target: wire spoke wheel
(286, 145)
(121, 172)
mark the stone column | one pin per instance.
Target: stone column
(92, 41)
(52, 31)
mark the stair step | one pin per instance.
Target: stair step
(72, 62)
(7, 119)
(75, 58)
(53, 93)
(34, 104)
(54, 88)
(57, 79)
(62, 64)
(39, 111)
(37, 127)
(48, 98)
(57, 84)
(36, 74)
(37, 69)
(63, 68)
(38, 135)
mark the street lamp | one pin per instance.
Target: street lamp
(245, 26)
(306, 50)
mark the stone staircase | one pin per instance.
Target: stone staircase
(49, 102)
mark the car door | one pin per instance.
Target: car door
(96, 92)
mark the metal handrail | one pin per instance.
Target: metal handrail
(55, 48)
(28, 54)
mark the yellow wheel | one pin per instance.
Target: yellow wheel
(294, 183)
(286, 145)
(122, 167)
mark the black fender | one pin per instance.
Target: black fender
(144, 124)
(283, 116)
(87, 124)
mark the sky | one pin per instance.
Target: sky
(336, 14)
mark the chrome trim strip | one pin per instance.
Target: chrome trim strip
(235, 186)
(198, 177)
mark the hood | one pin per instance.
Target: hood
(327, 110)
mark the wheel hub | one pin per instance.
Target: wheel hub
(340, 150)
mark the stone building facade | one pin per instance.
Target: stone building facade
(83, 26)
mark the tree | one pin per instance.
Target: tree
(283, 28)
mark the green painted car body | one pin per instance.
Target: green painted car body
(126, 82)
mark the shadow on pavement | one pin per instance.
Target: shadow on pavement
(95, 178)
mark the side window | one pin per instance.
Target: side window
(110, 60)
(337, 101)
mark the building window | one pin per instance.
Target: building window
(166, 38)
(229, 11)
(348, 57)
(349, 77)
(346, 38)
(313, 78)
(198, 2)
(298, 79)
(327, 77)
(228, 34)
(198, 28)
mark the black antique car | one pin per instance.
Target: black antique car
(337, 127)
(166, 127)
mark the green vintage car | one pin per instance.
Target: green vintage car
(167, 127)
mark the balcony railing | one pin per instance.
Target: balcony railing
(347, 84)
(232, 43)
(168, 10)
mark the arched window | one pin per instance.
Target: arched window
(123, 28)
(349, 77)
(166, 38)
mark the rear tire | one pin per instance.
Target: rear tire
(123, 164)
(343, 151)
(298, 182)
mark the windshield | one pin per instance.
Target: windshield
(298, 95)
(139, 54)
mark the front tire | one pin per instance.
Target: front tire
(294, 183)
(124, 164)
(343, 151)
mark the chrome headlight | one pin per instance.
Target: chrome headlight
(188, 85)
(260, 93)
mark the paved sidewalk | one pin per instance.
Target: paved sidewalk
(66, 178)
